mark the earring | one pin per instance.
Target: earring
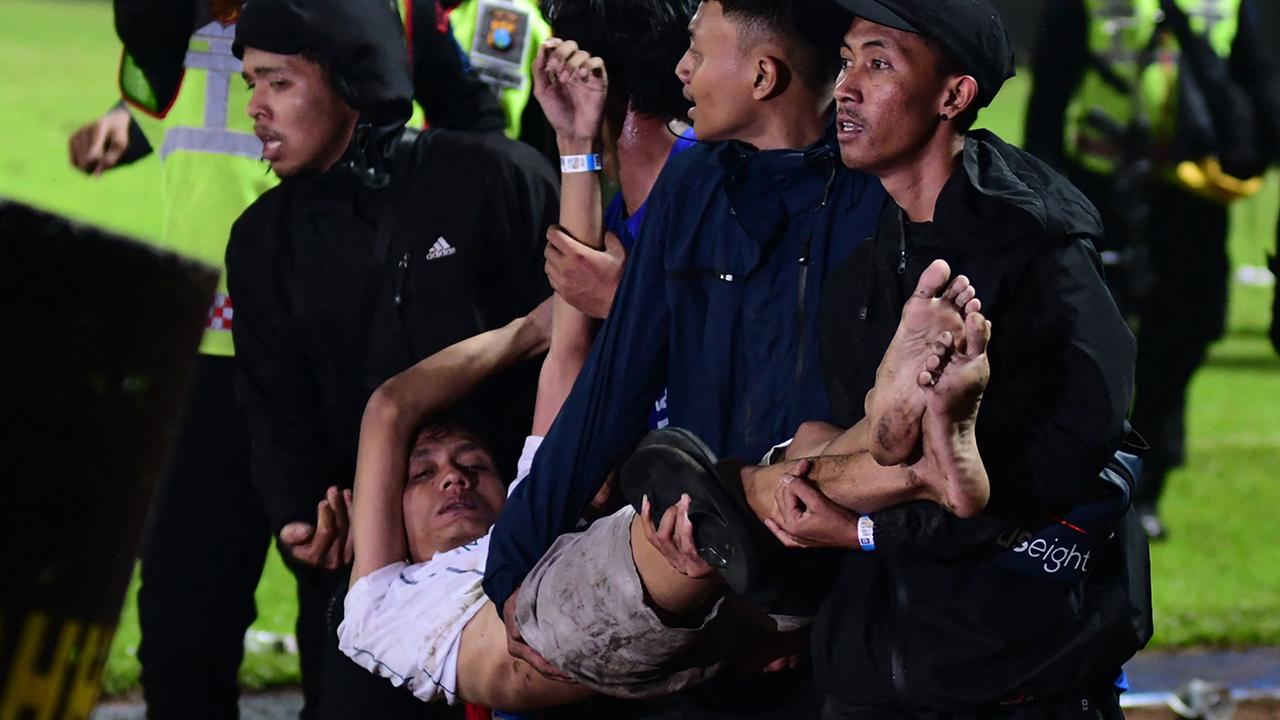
(943, 117)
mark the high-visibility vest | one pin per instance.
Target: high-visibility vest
(211, 168)
(502, 39)
(1120, 33)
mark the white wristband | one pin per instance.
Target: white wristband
(581, 163)
(866, 534)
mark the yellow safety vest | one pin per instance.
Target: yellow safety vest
(211, 168)
(1120, 32)
(502, 38)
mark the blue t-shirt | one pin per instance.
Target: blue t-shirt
(615, 216)
(628, 229)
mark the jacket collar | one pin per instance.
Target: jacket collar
(766, 188)
(1000, 195)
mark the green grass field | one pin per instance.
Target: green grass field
(1217, 580)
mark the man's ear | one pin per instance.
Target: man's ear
(961, 92)
(772, 76)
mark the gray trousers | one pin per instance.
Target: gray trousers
(583, 608)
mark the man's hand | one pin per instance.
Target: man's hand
(586, 278)
(327, 544)
(99, 145)
(570, 85)
(673, 538)
(805, 518)
(519, 649)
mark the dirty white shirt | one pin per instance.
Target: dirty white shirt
(404, 622)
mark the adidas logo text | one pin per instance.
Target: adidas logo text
(441, 248)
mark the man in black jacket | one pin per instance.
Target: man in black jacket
(379, 247)
(184, 103)
(1024, 610)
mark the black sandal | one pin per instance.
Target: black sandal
(671, 462)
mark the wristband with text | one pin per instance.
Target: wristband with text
(581, 163)
(866, 534)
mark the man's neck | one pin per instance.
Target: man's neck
(339, 150)
(643, 148)
(791, 123)
(916, 182)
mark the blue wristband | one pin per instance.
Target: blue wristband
(581, 163)
(866, 534)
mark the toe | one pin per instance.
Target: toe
(958, 287)
(933, 279)
(977, 333)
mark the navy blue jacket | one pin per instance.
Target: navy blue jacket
(719, 303)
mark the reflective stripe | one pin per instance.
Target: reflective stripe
(216, 32)
(221, 142)
(217, 62)
(219, 65)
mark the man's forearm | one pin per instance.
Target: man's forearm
(581, 206)
(854, 481)
(377, 522)
(572, 331)
(582, 216)
(442, 379)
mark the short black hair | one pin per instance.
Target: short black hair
(809, 28)
(640, 41)
(465, 418)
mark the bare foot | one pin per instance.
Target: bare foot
(951, 414)
(896, 404)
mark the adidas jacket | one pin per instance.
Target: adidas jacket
(340, 284)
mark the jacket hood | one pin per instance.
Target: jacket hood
(361, 42)
(1001, 194)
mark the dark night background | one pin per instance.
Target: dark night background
(1023, 16)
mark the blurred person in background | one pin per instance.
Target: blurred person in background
(1162, 112)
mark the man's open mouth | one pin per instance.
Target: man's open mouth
(271, 144)
(461, 505)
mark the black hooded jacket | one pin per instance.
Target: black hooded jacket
(942, 616)
(411, 242)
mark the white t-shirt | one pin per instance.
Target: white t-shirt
(404, 622)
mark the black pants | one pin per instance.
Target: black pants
(202, 555)
(1102, 705)
(1183, 311)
